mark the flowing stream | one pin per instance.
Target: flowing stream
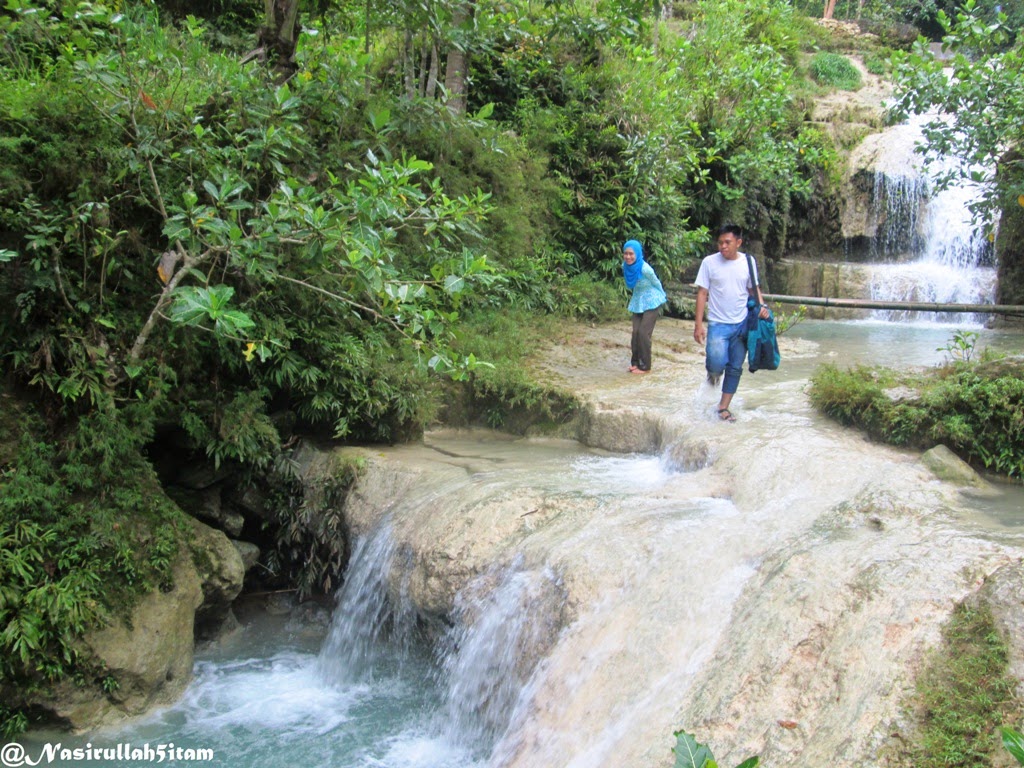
(532, 602)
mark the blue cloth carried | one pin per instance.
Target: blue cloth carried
(762, 346)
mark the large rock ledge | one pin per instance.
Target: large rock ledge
(792, 626)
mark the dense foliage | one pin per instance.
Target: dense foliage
(980, 104)
(179, 230)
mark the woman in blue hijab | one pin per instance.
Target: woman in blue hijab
(647, 298)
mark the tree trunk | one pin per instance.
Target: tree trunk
(830, 8)
(657, 24)
(408, 68)
(424, 64)
(366, 47)
(279, 38)
(431, 88)
(458, 63)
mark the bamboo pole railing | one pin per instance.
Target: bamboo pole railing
(912, 306)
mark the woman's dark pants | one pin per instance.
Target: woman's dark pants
(643, 329)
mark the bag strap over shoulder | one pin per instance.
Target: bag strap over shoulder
(753, 272)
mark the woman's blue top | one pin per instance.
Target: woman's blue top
(648, 293)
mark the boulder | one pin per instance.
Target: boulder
(950, 468)
(207, 505)
(221, 572)
(249, 553)
(146, 656)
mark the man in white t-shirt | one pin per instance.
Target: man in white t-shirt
(723, 284)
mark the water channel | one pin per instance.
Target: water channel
(586, 632)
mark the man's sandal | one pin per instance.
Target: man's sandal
(725, 414)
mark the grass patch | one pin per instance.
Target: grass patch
(835, 70)
(878, 63)
(964, 694)
(975, 409)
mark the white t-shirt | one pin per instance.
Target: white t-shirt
(728, 284)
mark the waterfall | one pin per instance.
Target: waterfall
(926, 247)
(373, 629)
(505, 620)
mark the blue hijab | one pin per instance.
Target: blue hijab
(632, 271)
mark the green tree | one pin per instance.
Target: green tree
(211, 223)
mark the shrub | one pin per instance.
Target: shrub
(835, 70)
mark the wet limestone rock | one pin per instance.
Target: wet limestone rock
(221, 572)
(949, 467)
(624, 430)
(148, 655)
(800, 277)
(1004, 593)
(249, 553)
(889, 153)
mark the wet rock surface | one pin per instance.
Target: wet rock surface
(775, 595)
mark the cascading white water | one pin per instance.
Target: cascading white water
(373, 627)
(488, 655)
(927, 246)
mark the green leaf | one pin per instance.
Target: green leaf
(192, 305)
(7, 255)
(380, 120)
(454, 284)
(1014, 743)
(690, 754)
(750, 762)
(233, 321)
(211, 188)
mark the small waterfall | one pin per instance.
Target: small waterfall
(373, 628)
(896, 208)
(506, 620)
(926, 246)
